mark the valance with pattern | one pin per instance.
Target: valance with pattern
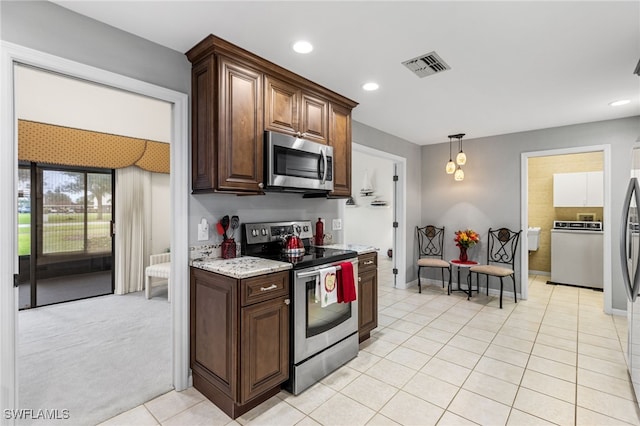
(52, 144)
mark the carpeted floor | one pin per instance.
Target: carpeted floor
(96, 357)
(68, 287)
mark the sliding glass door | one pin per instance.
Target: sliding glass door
(65, 234)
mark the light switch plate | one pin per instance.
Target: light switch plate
(336, 225)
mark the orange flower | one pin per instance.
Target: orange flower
(466, 238)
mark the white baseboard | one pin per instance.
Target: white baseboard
(545, 273)
(619, 312)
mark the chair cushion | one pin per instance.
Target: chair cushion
(497, 271)
(433, 263)
(159, 270)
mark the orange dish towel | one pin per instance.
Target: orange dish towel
(346, 283)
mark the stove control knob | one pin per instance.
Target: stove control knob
(254, 232)
(305, 228)
(264, 231)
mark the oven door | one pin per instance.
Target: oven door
(294, 163)
(316, 328)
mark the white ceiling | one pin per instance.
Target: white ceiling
(515, 66)
(47, 97)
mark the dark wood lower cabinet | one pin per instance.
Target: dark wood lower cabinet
(367, 294)
(239, 338)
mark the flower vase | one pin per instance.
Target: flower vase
(463, 254)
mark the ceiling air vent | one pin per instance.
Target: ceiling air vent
(425, 65)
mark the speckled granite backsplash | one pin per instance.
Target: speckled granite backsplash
(208, 251)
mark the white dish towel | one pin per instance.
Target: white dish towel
(327, 287)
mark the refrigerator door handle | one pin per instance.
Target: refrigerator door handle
(631, 284)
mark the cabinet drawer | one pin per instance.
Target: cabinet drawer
(367, 261)
(264, 287)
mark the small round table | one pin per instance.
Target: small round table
(459, 265)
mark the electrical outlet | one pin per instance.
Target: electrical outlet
(336, 225)
(203, 230)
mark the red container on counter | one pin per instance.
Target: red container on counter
(228, 249)
(319, 232)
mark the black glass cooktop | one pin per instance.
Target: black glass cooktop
(313, 256)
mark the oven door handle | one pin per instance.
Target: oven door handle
(317, 271)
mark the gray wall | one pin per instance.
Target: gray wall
(490, 193)
(49, 28)
(374, 138)
(52, 29)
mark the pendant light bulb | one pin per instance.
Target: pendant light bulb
(459, 176)
(451, 167)
(461, 158)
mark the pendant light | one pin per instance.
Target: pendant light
(461, 158)
(451, 167)
(459, 176)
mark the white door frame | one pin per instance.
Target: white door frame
(524, 207)
(399, 247)
(11, 54)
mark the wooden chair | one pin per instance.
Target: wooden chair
(431, 252)
(501, 250)
(159, 267)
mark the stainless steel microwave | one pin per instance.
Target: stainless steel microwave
(297, 165)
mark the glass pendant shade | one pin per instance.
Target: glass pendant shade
(451, 167)
(459, 176)
(461, 158)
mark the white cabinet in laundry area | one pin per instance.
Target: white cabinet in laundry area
(582, 189)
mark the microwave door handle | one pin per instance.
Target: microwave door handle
(325, 166)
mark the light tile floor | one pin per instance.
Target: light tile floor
(555, 358)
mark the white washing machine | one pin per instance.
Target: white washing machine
(577, 253)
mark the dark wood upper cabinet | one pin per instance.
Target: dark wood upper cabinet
(290, 110)
(281, 106)
(204, 155)
(236, 95)
(240, 134)
(340, 140)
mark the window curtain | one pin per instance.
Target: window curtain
(132, 228)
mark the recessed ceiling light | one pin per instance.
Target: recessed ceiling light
(370, 86)
(620, 102)
(302, 46)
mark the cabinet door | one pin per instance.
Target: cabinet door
(367, 303)
(204, 155)
(569, 189)
(595, 189)
(281, 106)
(264, 348)
(313, 118)
(214, 329)
(240, 124)
(340, 140)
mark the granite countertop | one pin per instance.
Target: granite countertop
(360, 248)
(241, 267)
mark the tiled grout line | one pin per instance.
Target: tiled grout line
(504, 323)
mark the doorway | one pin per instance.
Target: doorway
(596, 151)
(11, 55)
(377, 216)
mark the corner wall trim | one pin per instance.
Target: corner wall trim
(11, 54)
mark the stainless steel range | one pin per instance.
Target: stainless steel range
(322, 339)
